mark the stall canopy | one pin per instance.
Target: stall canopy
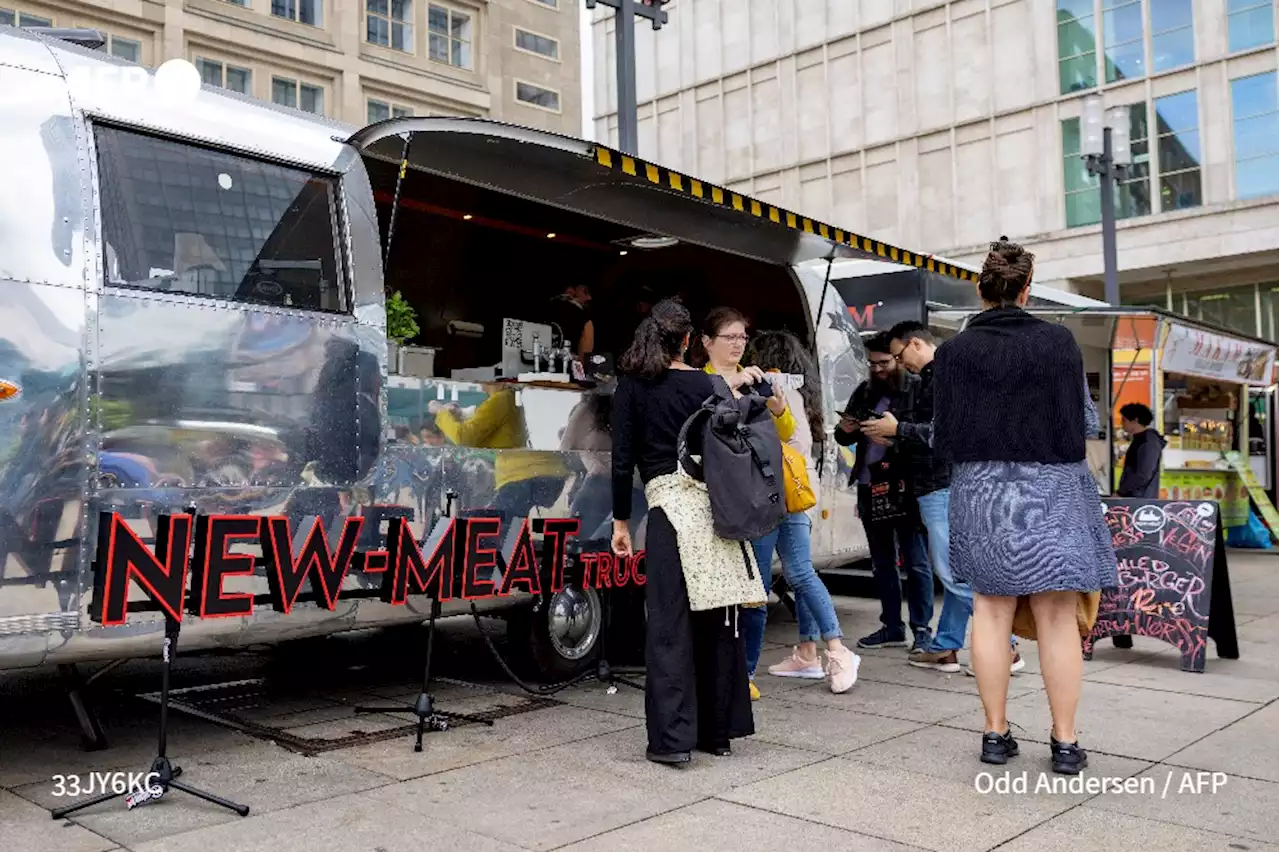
(598, 181)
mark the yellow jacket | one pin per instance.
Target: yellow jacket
(498, 424)
(786, 421)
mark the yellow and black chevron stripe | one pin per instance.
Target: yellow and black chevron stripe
(718, 195)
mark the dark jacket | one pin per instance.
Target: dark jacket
(929, 473)
(863, 400)
(1141, 475)
(1009, 388)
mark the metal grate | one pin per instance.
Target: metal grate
(234, 704)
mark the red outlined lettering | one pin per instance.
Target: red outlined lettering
(121, 556)
(213, 564)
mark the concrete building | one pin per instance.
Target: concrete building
(355, 60)
(943, 125)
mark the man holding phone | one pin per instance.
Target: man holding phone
(886, 504)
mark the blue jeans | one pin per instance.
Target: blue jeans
(886, 541)
(815, 612)
(957, 597)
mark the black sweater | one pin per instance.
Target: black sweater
(646, 421)
(1008, 388)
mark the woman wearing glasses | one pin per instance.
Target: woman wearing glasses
(724, 337)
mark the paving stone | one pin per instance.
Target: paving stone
(33, 750)
(621, 755)
(463, 746)
(28, 827)
(1254, 677)
(1247, 748)
(1240, 806)
(906, 807)
(341, 824)
(1091, 828)
(953, 755)
(595, 696)
(908, 703)
(260, 775)
(1264, 629)
(511, 799)
(1139, 723)
(822, 729)
(896, 670)
(717, 826)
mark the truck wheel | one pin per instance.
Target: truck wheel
(561, 639)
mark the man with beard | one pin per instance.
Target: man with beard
(892, 519)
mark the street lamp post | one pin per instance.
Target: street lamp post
(625, 50)
(1105, 147)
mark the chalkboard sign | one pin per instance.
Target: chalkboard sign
(1173, 582)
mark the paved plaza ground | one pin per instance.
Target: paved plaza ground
(891, 765)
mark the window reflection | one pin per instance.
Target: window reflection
(1122, 37)
(1077, 46)
(1173, 40)
(1256, 133)
(1178, 150)
(1249, 24)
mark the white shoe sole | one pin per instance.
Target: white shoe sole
(807, 674)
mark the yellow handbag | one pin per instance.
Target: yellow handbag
(795, 479)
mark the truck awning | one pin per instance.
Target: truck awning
(594, 180)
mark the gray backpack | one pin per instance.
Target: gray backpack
(740, 461)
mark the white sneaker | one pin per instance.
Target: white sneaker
(796, 666)
(842, 669)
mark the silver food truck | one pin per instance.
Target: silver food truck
(195, 319)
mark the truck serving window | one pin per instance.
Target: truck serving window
(182, 219)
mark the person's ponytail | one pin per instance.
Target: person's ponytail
(658, 341)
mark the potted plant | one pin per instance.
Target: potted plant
(402, 326)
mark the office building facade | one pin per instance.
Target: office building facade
(356, 61)
(943, 125)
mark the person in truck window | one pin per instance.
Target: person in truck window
(570, 314)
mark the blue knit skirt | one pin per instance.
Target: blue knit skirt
(1019, 529)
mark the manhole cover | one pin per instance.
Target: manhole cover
(313, 723)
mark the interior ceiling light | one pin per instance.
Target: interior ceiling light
(623, 253)
(551, 236)
(467, 216)
(654, 242)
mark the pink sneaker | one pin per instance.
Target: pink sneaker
(842, 669)
(795, 666)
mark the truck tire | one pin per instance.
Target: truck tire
(561, 639)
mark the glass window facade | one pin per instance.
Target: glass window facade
(389, 23)
(1123, 51)
(1132, 193)
(1173, 37)
(1255, 135)
(1077, 46)
(448, 36)
(1178, 151)
(1249, 24)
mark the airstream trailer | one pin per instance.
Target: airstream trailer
(194, 319)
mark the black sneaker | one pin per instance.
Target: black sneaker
(1068, 758)
(882, 638)
(998, 748)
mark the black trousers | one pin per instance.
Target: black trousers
(696, 693)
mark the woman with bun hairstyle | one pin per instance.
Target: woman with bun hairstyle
(1012, 412)
(695, 662)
